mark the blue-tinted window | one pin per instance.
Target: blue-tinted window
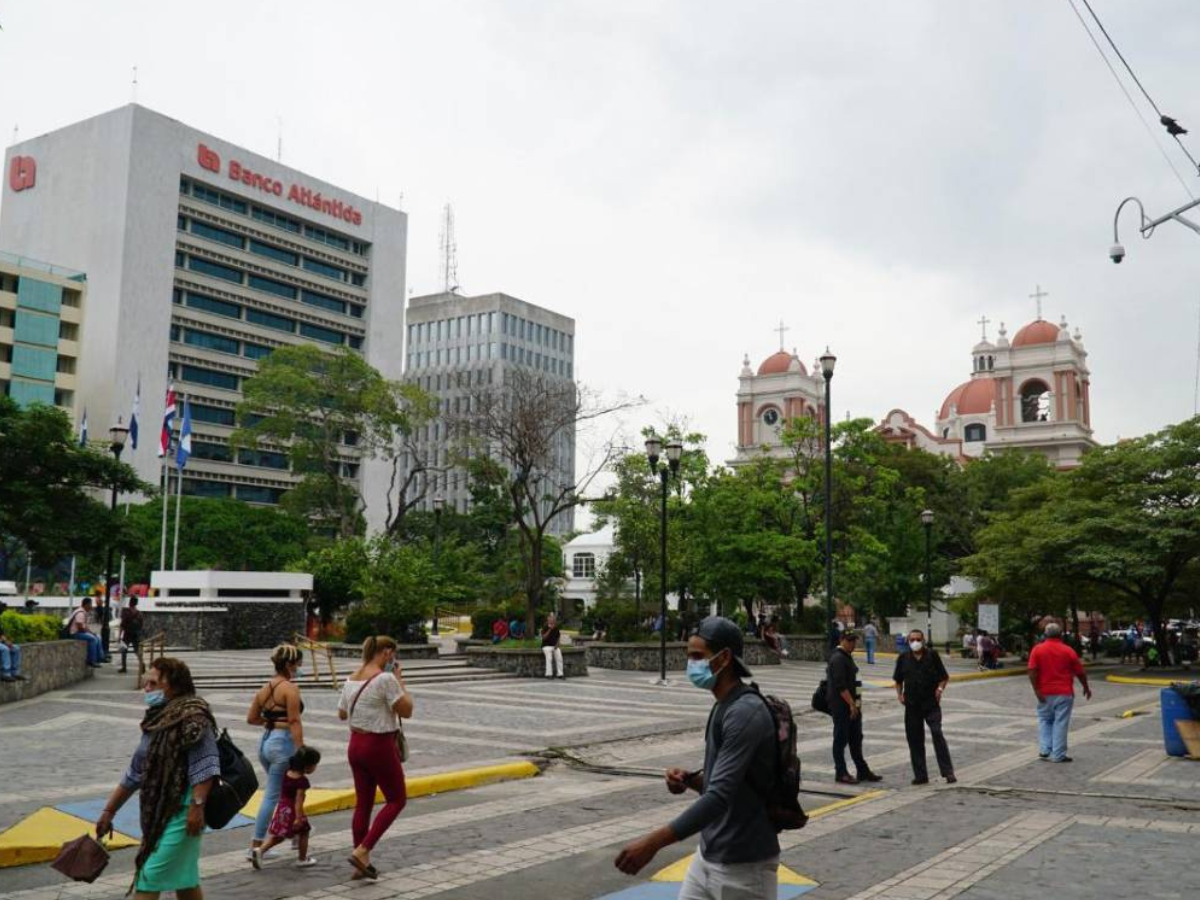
(184, 186)
(180, 259)
(267, 459)
(278, 220)
(326, 237)
(214, 270)
(358, 279)
(270, 286)
(355, 342)
(331, 303)
(317, 333)
(204, 230)
(175, 332)
(216, 198)
(270, 320)
(214, 414)
(181, 223)
(255, 351)
(195, 487)
(213, 305)
(217, 342)
(356, 311)
(255, 493)
(273, 252)
(197, 375)
(208, 450)
(322, 268)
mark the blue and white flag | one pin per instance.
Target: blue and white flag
(83, 429)
(133, 417)
(185, 436)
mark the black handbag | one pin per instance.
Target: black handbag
(820, 698)
(233, 788)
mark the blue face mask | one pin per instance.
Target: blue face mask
(299, 673)
(700, 673)
(155, 698)
(389, 666)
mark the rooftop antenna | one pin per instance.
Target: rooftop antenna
(279, 141)
(449, 252)
(1037, 295)
(133, 87)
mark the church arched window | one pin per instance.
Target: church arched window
(1035, 401)
(991, 363)
(976, 431)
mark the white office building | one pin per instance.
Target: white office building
(201, 257)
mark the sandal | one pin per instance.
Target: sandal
(365, 870)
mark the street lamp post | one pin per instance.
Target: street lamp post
(927, 521)
(654, 450)
(827, 363)
(439, 503)
(117, 434)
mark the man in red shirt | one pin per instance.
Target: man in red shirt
(1053, 668)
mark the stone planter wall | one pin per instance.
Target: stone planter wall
(48, 665)
(237, 626)
(810, 647)
(405, 651)
(648, 657)
(526, 663)
(463, 643)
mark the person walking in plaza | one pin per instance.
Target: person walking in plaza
(845, 706)
(77, 628)
(290, 820)
(278, 708)
(551, 637)
(1053, 668)
(10, 658)
(920, 679)
(175, 766)
(131, 629)
(870, 636)
(739, 850)
(1094, 640)
(373, 702)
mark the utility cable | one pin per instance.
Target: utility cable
(1132, 103)
(1128, 68)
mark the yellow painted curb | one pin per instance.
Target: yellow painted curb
(39, 837)
(990, 673)
(1134, 679)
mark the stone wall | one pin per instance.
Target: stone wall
(405, 651)
(648, 657)
(524, 663)
(48, 665)
(233, 626)
(810, 647)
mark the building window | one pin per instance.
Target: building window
(266, 459)
(312, 298)
(220, 235)
(216, 198)
(1035, 401)
(214, 270)
(322, 268)
(317, 333)
(356, 311)
(358, 279)
(213, 305)
(975, 432)
(277, 220)
(356, 342)
(196, 375)
(196, 487)
(215, 415)
(270, 320)
(269, 286)
(326, 237)
(583, 565)
(210, 341)
(215, 452)
(255, 351)
(272, 252)
(254, 493)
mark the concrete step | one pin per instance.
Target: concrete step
(413, 676)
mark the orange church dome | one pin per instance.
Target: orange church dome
(779, 363)
(971, 398)
(1037, 332)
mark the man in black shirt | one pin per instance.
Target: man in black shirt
(845, 706)
(920, 679)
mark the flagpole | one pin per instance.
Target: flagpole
(71, 582)
(166, 499)
(181, 458)
(178, 507)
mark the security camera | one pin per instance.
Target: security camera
(1116, 253)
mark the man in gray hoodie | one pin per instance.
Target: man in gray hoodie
(739, 849)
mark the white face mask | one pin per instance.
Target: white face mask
(916, 645)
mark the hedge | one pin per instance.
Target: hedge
(29, 629)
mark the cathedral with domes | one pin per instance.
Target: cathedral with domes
(1031, 393)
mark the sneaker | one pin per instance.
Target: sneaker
(306, 863)
(1064, 759)
(270, 854)
(256, 857)
(1043, 756)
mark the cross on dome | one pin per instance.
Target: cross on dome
(1037, 295)
(782, 329)
(983, 324)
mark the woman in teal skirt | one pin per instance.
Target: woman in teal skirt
(174, 766)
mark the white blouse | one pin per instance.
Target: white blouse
(373, 712)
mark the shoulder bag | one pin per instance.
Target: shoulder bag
(234, 786)
(401, 740)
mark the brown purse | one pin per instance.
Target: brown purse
(82, 859)
(401, 740)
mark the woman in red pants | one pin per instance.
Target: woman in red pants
(373, 701)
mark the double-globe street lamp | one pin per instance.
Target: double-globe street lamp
(439, 504)
(654, 451)
(828, 360)
(117, 434)
(927, 521)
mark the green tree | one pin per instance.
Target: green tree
(49, 484)
(337, 569)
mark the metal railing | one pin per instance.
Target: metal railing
(148, 650)
(320, 651)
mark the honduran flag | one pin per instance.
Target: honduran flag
(164, 441)
(185, 436)
(133, 417)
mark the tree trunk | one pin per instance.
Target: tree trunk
(1154, 607)
(534, 584)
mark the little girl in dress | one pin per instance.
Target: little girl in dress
(289, 820)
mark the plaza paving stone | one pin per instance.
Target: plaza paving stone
(1012, 822)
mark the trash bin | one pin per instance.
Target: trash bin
(901, 643)
(1175, 708)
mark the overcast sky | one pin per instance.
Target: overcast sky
(679, 176)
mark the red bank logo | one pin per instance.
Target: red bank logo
(22, 173)
(208, 159)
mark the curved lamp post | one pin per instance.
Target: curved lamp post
(654, 451)
(828, 361)
(439, 504)
(927, 521)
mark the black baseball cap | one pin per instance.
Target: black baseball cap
(722, 634)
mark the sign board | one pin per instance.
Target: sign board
(989, 617)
